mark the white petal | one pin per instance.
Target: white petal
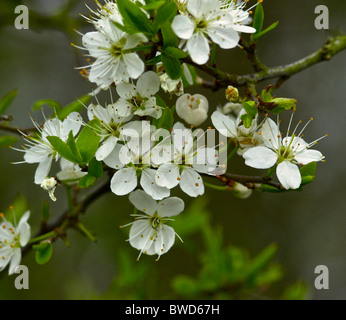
(260, 158)
(191, 183)
(246, 29)
(308, 156)
(198, 48)
(140, 235)
(42, 170)
(198, 8)
(224, 124)
(126, 90)
(150, 187)
(143, 202)
(134, 65)
(170, 207)
(148, 84)
(73, 122)
(106, 148)
(118, 158)
(37, 154)
(288, 175)
(15, 261)
(183, 27)
(271, 134)
(165, 240)
(226, 38)
(168, 175)
(124, 181)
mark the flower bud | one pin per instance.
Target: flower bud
(193, 109)
(241, 191)
(172, 86)
(232, 94)
(49, 184)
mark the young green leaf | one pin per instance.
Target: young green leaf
(154, 5)
(134, 17)
(63, 149)
(154, 61)
(283, 104)
(55, 105)
(258, 18)
(309, 169)
(88, 143)
(75, 106)
(262, 33)
(166, 121)
(172, 66)
(175, 52)
(164, 14)
(95, 168)
(7, 100)
(170, 39)
(87, 181)
(71, 142)
(44, 252)
(250, 108)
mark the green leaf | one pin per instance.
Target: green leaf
(247, 120)
(55, 105)
(297, 291)
(88, 143)
(95, 168)
(154, 5)
(268, 188)
(71, 142)
(266, 95)
(87, 181)
(170, 39)
(250, 108)
(166, 121)
(309, 169)
(75, 106)
(44, 252)
(262, 33)
(134, 17)
(62, 148)
(175, 52)
(258, 18)
(306, 180)
(7, 100)
(164, 14)
(172, 66)
(283, 104)
(7, 141)
(154, 61)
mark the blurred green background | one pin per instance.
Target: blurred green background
(308, 226)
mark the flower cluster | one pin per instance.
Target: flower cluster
(135, 138)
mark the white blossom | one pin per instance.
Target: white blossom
(233, 128)
(149, 233)
(39, 150)
(12, 239)
(286, 153)
(185, 159)
(193, 109)
(141, 98)
(206, 19)
(111, 121)
(133, 162)
(115, 61)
